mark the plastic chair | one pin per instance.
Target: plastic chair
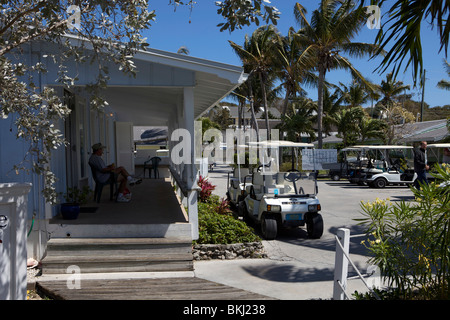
(152, 164)
(99, 186)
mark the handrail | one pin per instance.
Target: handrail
(183, 185)
(180, 183)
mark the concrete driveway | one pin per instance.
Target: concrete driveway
(298, 267)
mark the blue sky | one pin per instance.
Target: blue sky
(198, 31)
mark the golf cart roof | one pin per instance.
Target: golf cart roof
(439, 145)
(383, 147)
(283, 143)
(351, 149)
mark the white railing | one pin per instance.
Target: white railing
(342, 260)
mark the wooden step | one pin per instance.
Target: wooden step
(118, 255)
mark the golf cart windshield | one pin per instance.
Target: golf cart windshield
(289, 184)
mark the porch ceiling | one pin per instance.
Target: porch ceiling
(155, 102)
(152, 106)
(144, 106)
(153, 95)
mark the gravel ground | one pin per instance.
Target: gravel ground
(32, 274)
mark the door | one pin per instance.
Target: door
(124, 146)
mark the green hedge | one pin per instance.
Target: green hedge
(215, 228)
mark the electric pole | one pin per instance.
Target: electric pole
(423, 93)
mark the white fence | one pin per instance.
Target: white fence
(342, 259)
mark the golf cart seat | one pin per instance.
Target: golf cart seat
(270, 183)
(239, 175)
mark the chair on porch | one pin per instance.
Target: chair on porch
(99, 186)
(152, 164)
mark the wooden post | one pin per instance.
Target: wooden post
(341, 264)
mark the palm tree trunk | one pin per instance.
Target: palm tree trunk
(285, 103)
(264, 94)
(255, 123)
(320, 104)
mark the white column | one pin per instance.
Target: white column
(13, 236)
(341, 264)
(188, 112)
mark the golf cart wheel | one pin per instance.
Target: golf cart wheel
(242, 210)
(314, 225)
(335, 177)
(269, 227)
(380, 183)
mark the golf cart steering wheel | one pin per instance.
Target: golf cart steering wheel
(292, 175)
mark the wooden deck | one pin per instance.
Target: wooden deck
(146, 289)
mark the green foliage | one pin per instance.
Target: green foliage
(401, 32)
(34, 110)
(215, 228)
(411, 240)
(76, 195)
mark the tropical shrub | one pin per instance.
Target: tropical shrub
(206, 188)
(410, 240)
(217, 224)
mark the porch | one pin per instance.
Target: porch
(155, 211)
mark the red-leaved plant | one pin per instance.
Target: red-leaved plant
(206, 188)
(223, 207)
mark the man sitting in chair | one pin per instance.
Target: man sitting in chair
(103, 173)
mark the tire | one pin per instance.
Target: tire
(314, 225)
(242, 210)
(269, 227)
(335, 177)
(380, 183)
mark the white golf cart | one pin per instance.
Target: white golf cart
(348, 167)
(240, 178)
(282, 199)
(388, 165)
(236, 185)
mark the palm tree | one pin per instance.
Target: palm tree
(445, 84)
(332, 105)
(354, 95)
(330, 32)
(347, 122)
(371, 128)
(257, 54)
(300, 119)
(403, 26)
(391, 89)
(291, 70)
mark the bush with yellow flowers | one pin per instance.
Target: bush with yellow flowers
(409, 240)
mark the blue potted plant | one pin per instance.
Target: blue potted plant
(74, 198)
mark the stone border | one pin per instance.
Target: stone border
(249, 250)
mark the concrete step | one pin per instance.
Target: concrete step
(100, 255)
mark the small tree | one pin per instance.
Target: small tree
(101, 25)
(410, 241)
(111, 30)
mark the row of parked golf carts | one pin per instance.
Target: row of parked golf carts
(274, 199)
(380, 165)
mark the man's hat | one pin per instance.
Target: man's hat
(97, 146)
